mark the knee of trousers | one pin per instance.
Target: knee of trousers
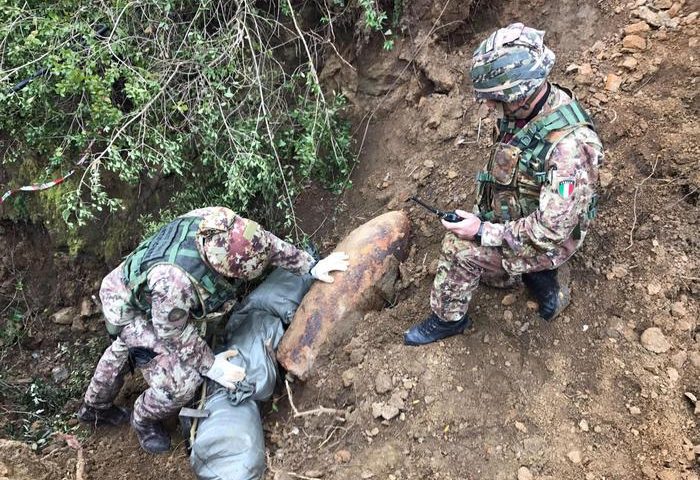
(173, 382)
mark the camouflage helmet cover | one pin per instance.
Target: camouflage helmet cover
(510, 64)
(232, 245)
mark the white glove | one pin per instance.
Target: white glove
(225, 373)
(333, 262)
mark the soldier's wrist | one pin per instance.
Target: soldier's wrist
(479, 232)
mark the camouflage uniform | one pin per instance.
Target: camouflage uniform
(541, 240)
(181, 355)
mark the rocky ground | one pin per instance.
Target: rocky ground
(607, 391)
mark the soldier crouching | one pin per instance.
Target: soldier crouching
(536, 194)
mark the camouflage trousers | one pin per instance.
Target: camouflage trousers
(172, 383)
(462, 265)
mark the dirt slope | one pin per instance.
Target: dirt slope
(580, 398)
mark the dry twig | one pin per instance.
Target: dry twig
(316, 411)
(634, 204)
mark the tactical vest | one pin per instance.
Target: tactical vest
(174, 244)
(509, 186)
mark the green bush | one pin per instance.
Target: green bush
(209, 95)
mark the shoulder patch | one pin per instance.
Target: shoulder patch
(566, 187)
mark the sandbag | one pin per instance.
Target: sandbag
(229, 443)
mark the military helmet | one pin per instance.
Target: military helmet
(510, 64)
(232, 245)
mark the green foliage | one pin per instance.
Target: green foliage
(12, 328)
(205, 95)
(373, 16)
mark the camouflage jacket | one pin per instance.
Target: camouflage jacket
(174, 298)
(556, 227)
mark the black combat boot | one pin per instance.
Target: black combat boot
(152, 436)
(551, 297)
(433, 328)
(108, 416)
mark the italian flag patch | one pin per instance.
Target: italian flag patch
(566, 188)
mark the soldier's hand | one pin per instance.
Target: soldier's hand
(467, 228)
(225, 373)
(336, 261)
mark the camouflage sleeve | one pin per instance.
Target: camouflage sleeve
(173, 297)
(287, 256)
(572, 180)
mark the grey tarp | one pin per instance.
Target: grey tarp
(230, 444)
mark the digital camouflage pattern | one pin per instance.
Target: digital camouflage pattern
(462, 265)
(510, 64)
(542, 240)
(182, 355)
(237, 247)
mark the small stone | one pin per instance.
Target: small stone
(366, 475)
(389, 412)
(508, 300)
(635, 410)
(654, 340)
(693, 42)
(575, 456)
(678, 309)
(507, 315)
(377, 409)
(613, 82)
(673, 375)
(630, 63)
(651, 17)
(348, 377)
(634, 42)
(605, 178)
(451, 174)
(382, 383)
(674, 10)
(429, 164)
(314, 473)
(281, 476)
(668, 474)
(60, 373)
(88, 308)
(342, 456)
(357, 356)
(78, 325)
(694, 359)
(690, 18)
(678, 359)
(585, 74)
(519, 426)
(654, 288)
(64, 316)
(524, 474)
(532, 305)
(638, 27)
(583, 425)
(663, 4)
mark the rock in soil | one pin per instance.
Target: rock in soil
(524, 474)
(64, 316)
(382, 383)
(575, 456)
(654, 340)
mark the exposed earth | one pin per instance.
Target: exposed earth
(600, 393)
